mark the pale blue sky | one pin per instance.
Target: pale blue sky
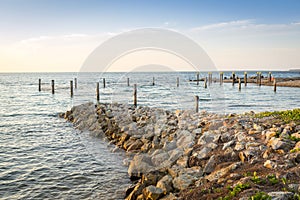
(236, 34)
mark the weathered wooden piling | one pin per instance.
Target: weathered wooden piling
(275, 85)
(128, 82)
(197, 103)
(221, 78)
(270, 77)
(259, 78)
(233, 78)
(205, 82)
(209, 77)
(104, 83)
(240, 84)
(177, 81)
(97, 92)
(71, 88)
(40, 85)
(52, 86)
(134, 95)
(198, 78)
(245, 78)
(75, 83)
(153, 81)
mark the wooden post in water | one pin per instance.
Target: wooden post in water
(205, 82)
(177, 82)
(259, 75)
(245, 78)
(75, 82)
(240, 84)
(104, 83)
(209, 77)
(197, 103)
(71, 88)
(270, 77)
(197, 78)
(40, 85)
(153, 81)
(221, 78)
(275, 85)
(128, 82)
(134, 95)
(257, 78)
(97, 92)
(233, 78)
(52, 86)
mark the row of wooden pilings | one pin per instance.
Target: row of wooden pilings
(209, 80)
(53, 86)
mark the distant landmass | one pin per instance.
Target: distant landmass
(294, 70)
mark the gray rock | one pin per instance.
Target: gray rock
(277, 143)
(197, 131)
(165, 184)
(294, 187)
(140, 164)
(135, 145)
(281, 195)
(160, 159)
(214, 176)
(185, 139)
(152, 193)
(212, 145)
(186, 178)
(208, 137)
(210, 165)
(175, 154)
(168, 146)
(203, 153)
(257, 127)
(182, 161)
(239, 146)
(228, 144)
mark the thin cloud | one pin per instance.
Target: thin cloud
(224, 25)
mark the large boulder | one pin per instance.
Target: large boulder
(165, 184)
(215, 175)
(140, 164)
(185, 139)
(186, 178)
(277, 143)
(152, 193)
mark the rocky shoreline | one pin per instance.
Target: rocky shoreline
(188, 155)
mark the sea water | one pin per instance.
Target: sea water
(43, 157)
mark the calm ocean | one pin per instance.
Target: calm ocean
(44, 157)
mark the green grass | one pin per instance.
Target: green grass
(272, 179)
(256, 179)
(287, 116)
(295, 150)
(294, 138)
(260, 196)
(235, 191)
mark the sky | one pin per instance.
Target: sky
(59, 35)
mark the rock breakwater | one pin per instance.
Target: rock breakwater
(188, 155)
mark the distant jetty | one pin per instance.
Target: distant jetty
(294, 70)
